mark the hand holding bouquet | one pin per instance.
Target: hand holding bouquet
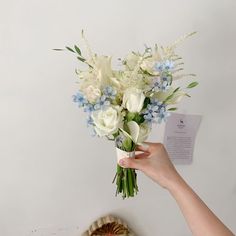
(123, 104)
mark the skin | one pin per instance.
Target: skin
(155, 163)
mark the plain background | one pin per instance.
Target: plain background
(54, 178)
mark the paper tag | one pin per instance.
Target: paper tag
(123, 154)
(179, 137)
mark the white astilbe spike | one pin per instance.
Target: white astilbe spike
(177, 70)
(177, 77)
(179, 64)
(90, 53)
(136, 68)
(181, 39)
(177, 59)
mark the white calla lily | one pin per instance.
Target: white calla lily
(134, 130)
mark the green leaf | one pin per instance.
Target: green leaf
(130, 116)
(177, 89)
(169, 97)
(138, 118)
(70, 49)
(193, 84)
(172, 109)
(81, 59)
(58, 49)
(146, 102)
(127, 144)
(77, 50)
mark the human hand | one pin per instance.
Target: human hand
(154, 162)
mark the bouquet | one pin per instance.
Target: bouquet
(122, 104)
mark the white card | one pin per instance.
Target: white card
(179, 137)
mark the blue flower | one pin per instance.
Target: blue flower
(89, 108)
(164, 86)
(109, 92)
(80, 99)
(150, 113)
(101, 103)
(155, 112)
(161, 84)
(163, 115)
(164, 65)
(119, 140)
(168, 65)
(90, 125)
(89, 121)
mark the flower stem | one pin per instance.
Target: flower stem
(126, 182)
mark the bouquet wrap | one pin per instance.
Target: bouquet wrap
(123, 154)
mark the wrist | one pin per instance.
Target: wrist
(175, 183)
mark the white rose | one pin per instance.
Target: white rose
(144, 131)
(107, 121)
(133, 99)
(92, 93)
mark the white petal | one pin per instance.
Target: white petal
(134, 130)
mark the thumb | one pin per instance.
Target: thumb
(130, 163)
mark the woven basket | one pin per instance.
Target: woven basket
(109, 226)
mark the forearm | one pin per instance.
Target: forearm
(199, 217)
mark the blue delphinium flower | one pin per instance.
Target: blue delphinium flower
(155, 112)
(109, 92)
(101, 103)
(80, 99)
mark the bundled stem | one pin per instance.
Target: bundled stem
(126, 182)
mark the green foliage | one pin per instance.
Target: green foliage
(130, 116)
(70, 49)
(81, 59)
(193, 84)
(172, 109)
(77, 50)
(138, 118)
(128, 144)
(177, 89)
(146, 102)
(58, 49)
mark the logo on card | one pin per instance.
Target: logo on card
(181, 124)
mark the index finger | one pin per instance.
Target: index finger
(144, 147)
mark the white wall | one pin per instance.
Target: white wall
(54, 178)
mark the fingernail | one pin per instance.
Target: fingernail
(122, 162)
